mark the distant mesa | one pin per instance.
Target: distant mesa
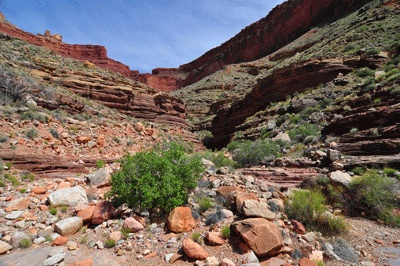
(55, 37)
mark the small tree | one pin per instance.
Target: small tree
(155, 178)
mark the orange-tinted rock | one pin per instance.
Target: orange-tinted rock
(19, 204)
(82, 139)
(140, 219)
(39, 190)
(151, 255)
(241, 197)
(85, 262)
(215, 238)
(60, 241)
(262, 236)
(307, 262)
(102, 212)
(63, 185)
(225, 191)
(194, 250)
(274, 262)
(86, 214)
(180, 219)
(133, 224)
(43, 208)
(298, 227)
(101, 141)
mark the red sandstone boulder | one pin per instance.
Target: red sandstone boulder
(215, 238)
(102, 212)
(225, 191)
(180, 219)
(82, 139)
(60, 241)
(86, 214)
(263, 237)
(241, 197)
(39, 190)
(133, 224)
(298, 227)
(307, 262)
(194, 250)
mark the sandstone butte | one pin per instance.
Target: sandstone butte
(283, 24)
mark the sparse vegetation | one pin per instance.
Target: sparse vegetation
(100, 164)
(196, 237)
(205, 204)
(53, 210)
(32, 133)
(226, 231)
(109, 243)
(25, 243)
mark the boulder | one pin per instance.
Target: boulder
(20, 204)
(282, 136)
(86, 214)
(341, 178)
(298, 227)
(4, 247)
(68, 196)
(225, 191)
(133, 224)
(102, 212)
(39, 190)
(215, 238)
(60, 241)
(17, 237)
(14, 215)
(263, 237)
(68, 226)
(241, 197)
(255, 208)
(306, 262)
(180, 219)
(99, 178)
(227, 262)
(194, 250)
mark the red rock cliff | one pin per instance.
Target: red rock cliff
(284, 24)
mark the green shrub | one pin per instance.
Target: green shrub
(54, 133)
(196, 237)
(377, 100)
(354, 130)
(25, 243)
(3, 138)
(205, 204)
(22, 190)
(64, 209)
(251, 153)
(302, 131)
(125, 232)
(373, 51)
(84, 239)
(109, 243)
(15, 182)
(219, 159)
(226, 231)
(375, 196)
(116, 139)
(155, 179)
(28, 176)
(309, 207)
(358, 170)
(49, 238)
(100, 164)
(389, 171)
(364, 72)
(53, 210)
(32, 133)
(2, 183)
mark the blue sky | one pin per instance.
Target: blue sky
(141, 34)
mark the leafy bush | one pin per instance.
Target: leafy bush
(100, 164)
(375, 196)
(358, 170)
(205, 204)
(389, 171)
(25, 243)
(32, 133)
(196, 237)
(109, 243)
(219, 159)
(364, 72)
(54, 132)
(3, 138)
(302, 131)
(155, 179)
(251, 153)
(226, 231)
(309, 208)
(53, 210)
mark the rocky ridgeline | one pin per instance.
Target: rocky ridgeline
(69, 223)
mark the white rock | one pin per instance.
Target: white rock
(39, 240)
(71, 196)
(68, 226)
(341, 178)
(54, 259)
(14, 215)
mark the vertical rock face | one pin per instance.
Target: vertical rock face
(284, 23)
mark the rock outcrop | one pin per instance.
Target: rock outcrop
(297, 77)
